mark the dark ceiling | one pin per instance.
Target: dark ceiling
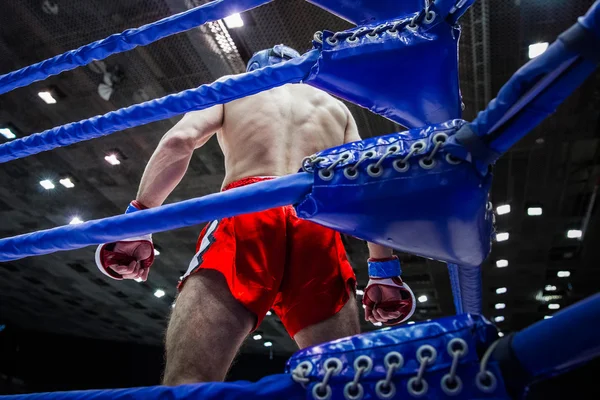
(557, 166)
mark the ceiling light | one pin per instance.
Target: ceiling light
(500, 306)
(411, 322)
(502, 236)
(500, 334)
(75, 221)
(553, 306)
(563, 274)
(364, 307)
(534, 211)
(156, 252)
(7, 133)
(377, 323)
(159, 293)
(47, 97)
(503, 209)
(47, 184)
(499, 318)
(574, 234)
(269, 313)
(112, 159)
(67, 183)
(550, 288)
(502, 263)
(359, 292)
(537, 49)
(257, 337)
(267, 344)
(501, 290)
(547, 316)
(234, 21)
(422, 299)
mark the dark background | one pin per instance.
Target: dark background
(67, 326)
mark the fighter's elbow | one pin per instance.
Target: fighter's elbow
(179, 140)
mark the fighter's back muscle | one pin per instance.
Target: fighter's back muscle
(271, 132)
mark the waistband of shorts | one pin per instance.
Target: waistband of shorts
(247, 181)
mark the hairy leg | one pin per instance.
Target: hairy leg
(344, 323)
(206, 329)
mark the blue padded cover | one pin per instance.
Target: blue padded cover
(258, 197)
(278, 387)
(438, 213)
(477, 332)
(124, 41)
(221, 91)
(366, 11)
(409, 77)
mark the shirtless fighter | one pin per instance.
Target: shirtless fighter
(249, 264)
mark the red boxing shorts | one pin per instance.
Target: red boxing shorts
(274, 260)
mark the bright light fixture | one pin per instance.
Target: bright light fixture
(47, 184)
(422, 299)
(377, 323)
(503, 209)
(553, 306)
(7, 133)
(501, 290)
(269, 313)
(75, 221)
(159, 293)
(500, 306)
(502, 263)
(502, 236)
(534, 211)
(234, 21)
(537, 49)
(547, 316)
(411, 322)
(500, 334)
(67, 183)
(267, 344)
(574, 234)
(499, 318)
(156, 252)
(47, 97)
(359, 292)
(563, 274)
(112, 159)
(550, 288)
(257, 337)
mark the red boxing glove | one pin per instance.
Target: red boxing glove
(387, 299)
(127, 259)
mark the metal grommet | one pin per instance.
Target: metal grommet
(306, 366)
(489, 206)
(457, 344)
(332, 41)
(350, 40)
(358, 388)
(374, 171)
(330, 362)
(482, 385)
(427, 163)
(429, 17)
(369, 154)
(450, 159)
(393, 149)
(450, 386)
(365, 362)
(431, 358)
(344, 156)
(350, 173)
(401, 166)
(393, 32)
(440, 137)
(384, 391)
(321, 396)
(326, 174)
(412, 26)
(417, 392)
(393, 358)
(372, 37)
(418, 146)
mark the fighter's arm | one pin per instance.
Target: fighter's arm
(170, 160)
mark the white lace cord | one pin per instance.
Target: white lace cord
(418, 380)
(299, 374)
(323, 385)
(354, 384)
(451, 378)
(435, 150)
(484, 373)
(308, 163)
(389, 153)
(361, 160)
